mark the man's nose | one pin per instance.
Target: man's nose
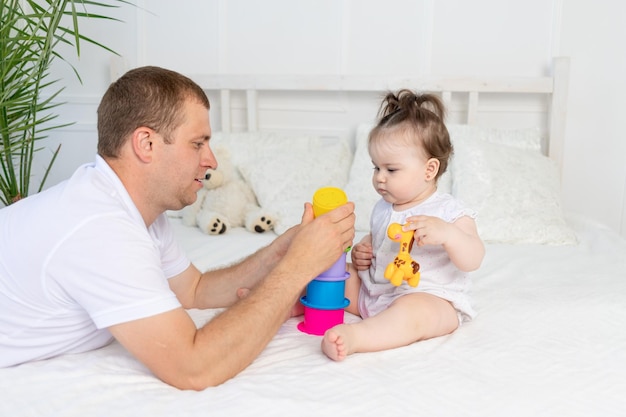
(208, 159)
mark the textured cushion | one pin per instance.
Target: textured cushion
(515, 191)
(285, 171)
(524, 138)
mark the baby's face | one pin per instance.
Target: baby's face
(400, 172)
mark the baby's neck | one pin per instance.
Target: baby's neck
(417, 200)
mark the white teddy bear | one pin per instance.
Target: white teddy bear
(226, 201)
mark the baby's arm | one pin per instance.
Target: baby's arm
(362, 253)
(460, 239)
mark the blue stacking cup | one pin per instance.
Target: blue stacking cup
(326, 293)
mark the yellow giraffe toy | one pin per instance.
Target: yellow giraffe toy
(403, 266)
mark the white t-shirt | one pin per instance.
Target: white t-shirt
(438, 275)
(76, 259)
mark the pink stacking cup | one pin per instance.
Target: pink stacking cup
(317, 321)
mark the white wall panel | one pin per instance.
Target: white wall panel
(442, 37)
(595, 152)
(93, 65)
(491, 37)
(391, 37)
(182, 35)
(281, 36)
(622, 228)
(79, 144)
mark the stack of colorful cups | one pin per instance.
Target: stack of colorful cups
(324, 301)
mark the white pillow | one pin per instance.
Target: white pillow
(240, 145)
(515, 191)
(360, 189)
(524, 138)
(285, 171)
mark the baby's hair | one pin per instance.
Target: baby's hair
(422, 115)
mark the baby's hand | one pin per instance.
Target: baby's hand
(362, 255)
(428, 230)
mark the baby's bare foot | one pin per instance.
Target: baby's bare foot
(334, 344)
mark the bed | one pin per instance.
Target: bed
(549, 338)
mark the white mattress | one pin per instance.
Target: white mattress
(549, 340)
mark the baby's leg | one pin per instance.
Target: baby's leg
(333, 342)
(412, 317)
(352, 289)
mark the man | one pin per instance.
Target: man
(94, 256)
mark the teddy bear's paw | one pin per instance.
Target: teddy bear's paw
(212, 223)
(217, 227)
(261, 224)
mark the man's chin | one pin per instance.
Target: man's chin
(184, 203)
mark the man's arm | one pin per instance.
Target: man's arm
(217, 288)
(181, 355)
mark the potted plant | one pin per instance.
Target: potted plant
(30, 33)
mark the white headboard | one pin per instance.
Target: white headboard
(552, 89)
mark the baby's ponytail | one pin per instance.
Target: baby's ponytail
(405, 104)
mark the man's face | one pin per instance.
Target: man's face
(183, 162)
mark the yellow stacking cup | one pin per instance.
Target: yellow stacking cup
(326, 199)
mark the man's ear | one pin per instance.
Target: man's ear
(432, 168)
(142, 143)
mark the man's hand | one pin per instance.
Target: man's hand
(318, 242)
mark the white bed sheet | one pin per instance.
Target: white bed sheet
(549, 340)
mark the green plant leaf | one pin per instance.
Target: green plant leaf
(30, 33)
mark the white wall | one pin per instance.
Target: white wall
(405, 37)
(594, 180)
